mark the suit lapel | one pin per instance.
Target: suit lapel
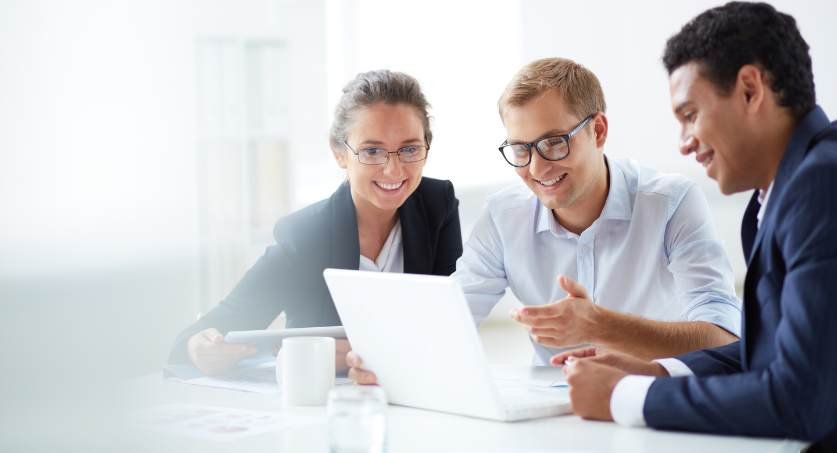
(749, 226)
(345, 245)
(795, 152)
(807, 131)
(755, 268)
(415, 236)
(791, 160)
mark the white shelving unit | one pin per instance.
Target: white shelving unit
(242, 155)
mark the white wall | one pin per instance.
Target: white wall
(99, 214)
(97, 195)
(97, 125)
(97, 145)
(97, 177)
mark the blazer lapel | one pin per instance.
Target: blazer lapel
(345, 245)
(415, 236)
(755, 268)
(749, 226)
(791, 160)
(795, 152)
(814, 123)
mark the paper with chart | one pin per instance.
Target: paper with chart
(218, 423)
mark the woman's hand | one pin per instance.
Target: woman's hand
(341, 348)
(212, 355)
(356, 371)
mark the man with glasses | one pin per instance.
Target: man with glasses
(638, 265)
(600, 251)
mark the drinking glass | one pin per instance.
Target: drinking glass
(357, 419)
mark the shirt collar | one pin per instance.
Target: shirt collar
(764, 197)
(544, 216)
(617, 205)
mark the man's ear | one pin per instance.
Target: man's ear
(751, 85)
(600, 129)
(339, 153)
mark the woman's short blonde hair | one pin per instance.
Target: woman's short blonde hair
(577, 85)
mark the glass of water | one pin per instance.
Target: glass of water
(357, 419)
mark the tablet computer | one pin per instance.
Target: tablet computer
(266, 339)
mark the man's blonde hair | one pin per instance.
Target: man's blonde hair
(577, 85)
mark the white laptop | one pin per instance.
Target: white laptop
(417, 334)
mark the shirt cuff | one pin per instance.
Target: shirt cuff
(675, 367)
(628, 400)
(725, 314)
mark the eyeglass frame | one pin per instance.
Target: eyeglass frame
(398, 152)
(566, 137)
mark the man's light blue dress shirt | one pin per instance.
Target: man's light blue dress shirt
(652, 252)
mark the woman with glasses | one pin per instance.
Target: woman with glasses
(385, 217)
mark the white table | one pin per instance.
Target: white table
(414, 430)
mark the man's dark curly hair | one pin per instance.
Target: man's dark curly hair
(724, 39)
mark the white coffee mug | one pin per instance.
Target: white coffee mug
(305, 370)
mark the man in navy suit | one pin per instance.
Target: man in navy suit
(742, 90)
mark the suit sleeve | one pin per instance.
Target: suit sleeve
(255, 301)
(794, 396)
(450, 236)
(724, 359)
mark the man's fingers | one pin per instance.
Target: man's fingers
(545, 322)
(572, 287)
(546, 331)
(575, 367)
(559, 359)
(540, 315)
(532, 312)
(604, 359)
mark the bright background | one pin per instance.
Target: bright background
(147, 147)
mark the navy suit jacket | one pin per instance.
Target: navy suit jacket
(289, 276)
(780, 379)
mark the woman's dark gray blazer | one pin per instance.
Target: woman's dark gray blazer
(289, 276)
